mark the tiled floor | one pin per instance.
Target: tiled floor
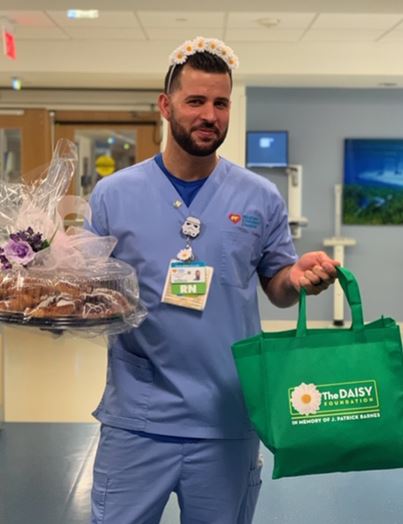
(45, 473)
(45, 478)
(46, 464)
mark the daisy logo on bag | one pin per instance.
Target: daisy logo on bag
(306, 399)
(337, 402)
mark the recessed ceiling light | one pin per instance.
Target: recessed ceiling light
(269, 21)
(82, 13)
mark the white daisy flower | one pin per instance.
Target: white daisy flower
(306, 399)
(188, 47)
(185, 254)
(171, 59)
(224, 51)
(232, 61)
(213, 46)
(180, 56)
(199, 44)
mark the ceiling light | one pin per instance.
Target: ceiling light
(82, 13)
(269, 21)
(16, 83)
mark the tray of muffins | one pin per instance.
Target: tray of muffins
(108, 300)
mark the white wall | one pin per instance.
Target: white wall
(234, 146)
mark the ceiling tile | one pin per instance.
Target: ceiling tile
(105, 33)
(356, 21)
(341, 35)
(37, 33)
(106, 19)
(179, 19)
(180, 35)
(251, 20)
(395, 36)
(27, 18)
(264, 35)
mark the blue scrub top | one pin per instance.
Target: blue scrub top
(175, 374)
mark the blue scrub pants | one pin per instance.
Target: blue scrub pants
(216, 481)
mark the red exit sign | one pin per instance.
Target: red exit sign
(9, 44)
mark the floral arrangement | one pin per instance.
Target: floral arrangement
(204, 45)
(21, 248)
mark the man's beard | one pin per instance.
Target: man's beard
(186, 142)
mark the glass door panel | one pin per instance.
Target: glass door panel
(101, 152)
(10, 155)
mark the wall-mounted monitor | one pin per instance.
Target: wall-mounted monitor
(266, 149)
(373, 181)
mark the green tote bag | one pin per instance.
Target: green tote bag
(327, 400)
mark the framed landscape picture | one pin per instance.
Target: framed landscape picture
(373, 181)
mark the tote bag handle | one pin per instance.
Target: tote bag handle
(351, 290)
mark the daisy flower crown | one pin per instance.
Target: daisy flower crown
(204, 45)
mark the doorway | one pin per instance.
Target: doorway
(107, 142)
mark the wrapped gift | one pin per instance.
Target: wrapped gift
(56, 279)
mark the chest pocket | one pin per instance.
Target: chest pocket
(241, 252)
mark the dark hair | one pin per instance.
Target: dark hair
(203, 61)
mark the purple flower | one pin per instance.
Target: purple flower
(34, 239)
(21, 248)
(36, 242)
(5, 264)
(18, 251)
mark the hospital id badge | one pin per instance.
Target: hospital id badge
(188, 278)
(187, 284)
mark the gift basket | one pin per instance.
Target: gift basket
(55, 279)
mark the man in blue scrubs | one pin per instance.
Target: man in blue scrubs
(173, 416)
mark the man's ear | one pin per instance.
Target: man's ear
(164, 105)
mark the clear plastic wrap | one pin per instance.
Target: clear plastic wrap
(55, 279)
